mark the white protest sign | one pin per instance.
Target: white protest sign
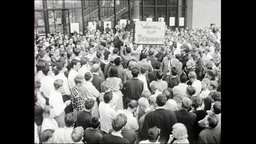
(149, 19)
(181, 21)
(136, 19)
(74, 27)
(123, 21)
(107, 22)
(161, 19)
(149, 32)
(172, 21)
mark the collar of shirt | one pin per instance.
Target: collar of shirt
(95, 73)
(117, 134)
(160, 107)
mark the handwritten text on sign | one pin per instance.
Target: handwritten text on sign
(149, 32)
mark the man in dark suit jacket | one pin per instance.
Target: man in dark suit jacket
(97, 79)
(133, 88)
(152, 74)
(84, 117)
(161, 118)
(187, 118)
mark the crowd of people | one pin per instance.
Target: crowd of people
(102, 87)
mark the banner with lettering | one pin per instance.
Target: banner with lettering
(149, 32)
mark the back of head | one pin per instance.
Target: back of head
(77, 134)
(186, 103)
(74, 62)
(180, 131)
(191, 90)
(216, 96)
(46, 134)
(131, 64)
(143, 55)
(183, 78)
(94, 122)
(119, 122)
(212, 120)
(161, 100)
(196, 101)
(207, 103)
(128, 50)
(115, 50)
(135, 71)
(108, 97)
(132, 104)
(89, 103)
(174, 71)
(58, 83)
(78, 79)
(46, 68)
(117, 61)
(143, 69)
(95, 67)
(213, 84)
(159, 75)
(105, 86)
(157, 65)
(168, 93)
(70, 119)
(153, 134)
(113, 72)
(192, 74)
(87, 76)
(217, 107)
(143, 102)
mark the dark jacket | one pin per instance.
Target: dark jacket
(189, 120)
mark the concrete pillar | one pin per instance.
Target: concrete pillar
(189, 13)
(136, 9)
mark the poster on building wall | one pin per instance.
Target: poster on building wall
(136, 19)
(181, 21)
(109, 24)
(123, 21)
(161, 19)
(74, 27)
(149, 19)
(172, 21)
(92, 26)
(149, 32)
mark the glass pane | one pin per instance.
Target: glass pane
(75, 3)
(184, 2)
(172, 12)
(161, 2)
(76, 17)
(39, 23)
(149, 2)
(161, 12)
(38, 4)
(51, 21)
(52, 4)
(149, 12)
(183, 12)
(172, 2)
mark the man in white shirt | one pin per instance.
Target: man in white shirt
(205, 91)
(131, 120)
(142, 77)
(47, 81)
(195, 82)
(85, 67)
(63, 135)
(56, 101)
(180, 90)
(61, 68)
(107, 113)
(75, 65)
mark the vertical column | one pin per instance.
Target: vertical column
(136, 9)
(46, 22)
(129, 9)
(179, 10)
(114, 13)
(99, 10)
(82, 7)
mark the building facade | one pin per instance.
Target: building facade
(58, 15)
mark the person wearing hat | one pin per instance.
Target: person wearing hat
(187, 118)
(92, 134)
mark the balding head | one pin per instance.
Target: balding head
(95, 67)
